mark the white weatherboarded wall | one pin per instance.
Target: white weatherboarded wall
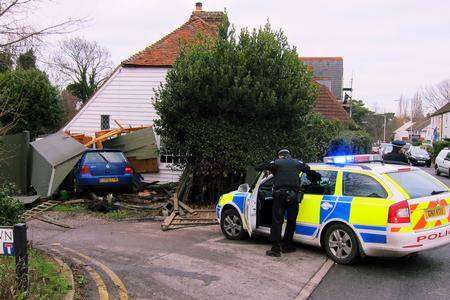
(125, 97)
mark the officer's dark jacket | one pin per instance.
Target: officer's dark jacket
(395, 156)
(285, 171)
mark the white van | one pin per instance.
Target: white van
(442, 164)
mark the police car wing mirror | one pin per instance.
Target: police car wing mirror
(244, 188)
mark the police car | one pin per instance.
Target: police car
(361, 207)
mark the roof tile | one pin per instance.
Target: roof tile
(328, 106)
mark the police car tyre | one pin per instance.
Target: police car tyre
(436, 169)
(231, 225)
(341, 244)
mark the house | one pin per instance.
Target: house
(327, 71)
(126, 95)
(421, 131)
(440, 123)
(402, 133)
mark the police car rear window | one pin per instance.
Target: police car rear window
(418, 183)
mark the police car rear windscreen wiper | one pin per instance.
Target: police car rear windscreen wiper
(437, 192)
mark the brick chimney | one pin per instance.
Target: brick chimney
(198, 6)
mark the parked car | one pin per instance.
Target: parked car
(103, 169)
(418, 156)
(442, 162)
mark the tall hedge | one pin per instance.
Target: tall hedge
(234, 101)
(31, 99)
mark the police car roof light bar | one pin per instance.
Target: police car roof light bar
(347, 159)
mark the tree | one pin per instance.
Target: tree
(416, 107)
(85, 65)
(234, 101)
(436, 96)
(31, 102)
(6, 61)
(26, 60)
(16, 30)
(360, 113)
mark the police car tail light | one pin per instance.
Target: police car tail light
(399, 213)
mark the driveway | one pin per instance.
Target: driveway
(193, 263)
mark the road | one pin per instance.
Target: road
(425, 276)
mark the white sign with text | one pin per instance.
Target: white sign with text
(6, 241)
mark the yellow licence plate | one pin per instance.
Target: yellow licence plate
(107, 180)
(437, 211)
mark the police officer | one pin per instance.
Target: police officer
(286, 197)
(396, 155)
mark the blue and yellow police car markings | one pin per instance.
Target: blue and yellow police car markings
(239, 199)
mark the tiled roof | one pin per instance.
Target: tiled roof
(324, 58)
(164, 52)
(327, 105)
(417, 126)
(444, 109)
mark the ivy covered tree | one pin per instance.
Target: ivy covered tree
(26, 60)
(32, 98)
(233, 101)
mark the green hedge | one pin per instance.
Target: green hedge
(11, 209)
(438, 146)
(351, 142)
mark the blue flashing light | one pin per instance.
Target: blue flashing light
(345, 159)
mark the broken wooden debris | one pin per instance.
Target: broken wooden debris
(52, 221)
(39, 209)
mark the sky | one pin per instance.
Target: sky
(390, 48)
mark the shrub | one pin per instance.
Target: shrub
(11, 209)
(30, 94)
(351, 142)
(438, 146)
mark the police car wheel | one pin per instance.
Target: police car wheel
(341, 245)
(231, 225)
(437, 170)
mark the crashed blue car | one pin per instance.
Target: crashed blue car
(103, 169)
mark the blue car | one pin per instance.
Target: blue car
(103, 169)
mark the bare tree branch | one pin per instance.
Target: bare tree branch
(16, 30)
(84, 65)
(436, 96)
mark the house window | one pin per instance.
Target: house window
(104, 122)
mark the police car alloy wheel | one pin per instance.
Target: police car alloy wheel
(231, 225)
(341, 245)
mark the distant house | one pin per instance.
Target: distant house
(402, 133)
(440, 122)
(421, 131)
(126, 95)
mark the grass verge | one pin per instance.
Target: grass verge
(45, 280)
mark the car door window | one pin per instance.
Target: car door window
(326, 185)
(360, 185)
(447, 157)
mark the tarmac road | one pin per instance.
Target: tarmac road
(425, 276)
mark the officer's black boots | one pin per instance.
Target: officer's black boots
(288, 248)
(273, 252)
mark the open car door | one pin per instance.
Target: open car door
(251, 204)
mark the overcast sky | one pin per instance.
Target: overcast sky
(389, 47)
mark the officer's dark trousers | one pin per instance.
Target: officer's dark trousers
(282, 203)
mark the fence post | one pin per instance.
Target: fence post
(20, 252)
